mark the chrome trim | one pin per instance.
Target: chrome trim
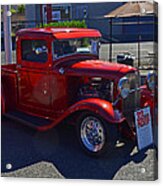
(61, 70)
(124, 91)
(92, 134)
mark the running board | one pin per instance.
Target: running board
(26, 119)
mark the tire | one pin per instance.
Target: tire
(95, 135)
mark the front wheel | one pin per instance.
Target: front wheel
(94, 134)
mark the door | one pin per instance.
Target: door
(33, 79)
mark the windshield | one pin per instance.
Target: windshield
(67, 47)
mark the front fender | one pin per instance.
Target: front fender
(98, 106)
(147, 98)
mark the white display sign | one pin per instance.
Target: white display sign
(143, 124)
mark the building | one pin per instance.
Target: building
(92, 13)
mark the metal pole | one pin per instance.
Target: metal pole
(41, 16)
(139, 54)
(139, 40)
(110, 47)
(7, 33)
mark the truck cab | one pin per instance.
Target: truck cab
(38, 53)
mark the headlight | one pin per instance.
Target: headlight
(151, 80)
(124, 87)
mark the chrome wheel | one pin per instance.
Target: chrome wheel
(92, 133)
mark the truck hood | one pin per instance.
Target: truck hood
(100, 68)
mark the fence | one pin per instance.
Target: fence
(148, 52)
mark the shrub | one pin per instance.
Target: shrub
(21, 9)
(67, 24)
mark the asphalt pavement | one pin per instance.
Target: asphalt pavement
(27, 153)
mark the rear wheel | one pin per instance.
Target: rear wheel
(94, 134)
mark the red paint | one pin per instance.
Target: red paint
(59, 33)
(40, 89)
(3, 109)
(90, 67)
(98, 106)
(148, 98)
(9, 87)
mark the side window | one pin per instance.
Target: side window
(34, 51)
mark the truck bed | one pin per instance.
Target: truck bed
(9, 85)
(8, 68)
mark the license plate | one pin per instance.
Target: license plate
(143, 125)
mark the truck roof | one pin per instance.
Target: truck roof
(60, 33)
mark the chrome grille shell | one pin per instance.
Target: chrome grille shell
(132, 102)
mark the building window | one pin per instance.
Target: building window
(61, 12)
(58, 12)
(81, 12)
(56, 15)
(34, 51)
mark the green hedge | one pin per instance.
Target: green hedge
(67, 24)
(21, 9)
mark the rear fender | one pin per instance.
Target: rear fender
(3, 105)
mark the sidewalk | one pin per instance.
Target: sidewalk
(38, 170)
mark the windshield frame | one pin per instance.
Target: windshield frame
(96, 39)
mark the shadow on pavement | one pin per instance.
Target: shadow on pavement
(22, 146)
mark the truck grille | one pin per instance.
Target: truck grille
(132, 102)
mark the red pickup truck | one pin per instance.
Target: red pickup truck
(58, 76)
